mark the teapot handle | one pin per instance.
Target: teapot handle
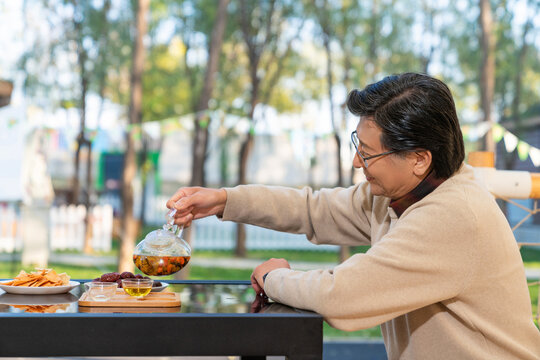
(177, 230)
(171, 226)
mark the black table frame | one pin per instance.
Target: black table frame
(298, 336)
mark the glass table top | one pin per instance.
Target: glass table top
(197, 297)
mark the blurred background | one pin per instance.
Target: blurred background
(107, 107)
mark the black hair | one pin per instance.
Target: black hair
(414, 111)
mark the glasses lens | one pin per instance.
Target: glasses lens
(356, 142)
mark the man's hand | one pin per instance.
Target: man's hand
(193, 203)
(267, 266)
(259, 303)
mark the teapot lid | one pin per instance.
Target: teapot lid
(163, 241)
(157, 241)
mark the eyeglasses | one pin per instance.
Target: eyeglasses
(356, 143)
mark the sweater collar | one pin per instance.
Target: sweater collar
(425, 187)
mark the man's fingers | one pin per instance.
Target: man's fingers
(170, 204)
(184, 220)
(181, 193)
(184, 203)
(255, 284)
(176, 196)
(184, 212)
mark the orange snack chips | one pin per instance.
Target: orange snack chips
(41, 308)
(40, 277)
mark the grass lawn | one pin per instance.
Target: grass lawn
(533, 290)
(530, 256)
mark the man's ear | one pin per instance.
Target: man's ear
(422, 162)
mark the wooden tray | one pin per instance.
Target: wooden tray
(121, 299)
(128, 310)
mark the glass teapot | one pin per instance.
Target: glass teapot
(162, 251)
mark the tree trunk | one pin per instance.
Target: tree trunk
(75, 185)
(241, 249)
(129, 224)
(144, 176)
(224, 160)
(202, 120)
(487, 70)
(87, 249)
(245, 150)
(81, 138)
(6, 88)
(82, 141)
(255, 43)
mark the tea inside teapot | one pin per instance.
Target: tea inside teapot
(163, 251)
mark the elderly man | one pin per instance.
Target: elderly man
(443, 277)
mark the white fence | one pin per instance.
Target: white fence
(155, 209)
(10, 234)
(213, 234)
(67, 228)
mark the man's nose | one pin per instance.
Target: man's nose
(358, 162)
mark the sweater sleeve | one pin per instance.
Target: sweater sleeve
(330, 216)
(425, 258)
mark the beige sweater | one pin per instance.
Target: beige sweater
(445, 280)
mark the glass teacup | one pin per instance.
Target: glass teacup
(101, 291)
(138, 288)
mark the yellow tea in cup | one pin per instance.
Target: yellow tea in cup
(138, 288)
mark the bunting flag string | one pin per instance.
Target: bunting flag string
(471, 132)
(511, 141)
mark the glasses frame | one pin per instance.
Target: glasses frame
(366, 158)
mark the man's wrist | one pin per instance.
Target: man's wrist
(222, 194)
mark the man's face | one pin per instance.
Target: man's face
(388, 175)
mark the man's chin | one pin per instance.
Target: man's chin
(376, 190)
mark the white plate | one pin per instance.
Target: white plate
(38, 290)
(160, 288)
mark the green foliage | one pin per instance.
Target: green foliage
(516, 57)
(165, 91)
(368, 40)
(263, 44)
(83, 39)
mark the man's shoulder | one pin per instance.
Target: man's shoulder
(461, 196)
(463, 185)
